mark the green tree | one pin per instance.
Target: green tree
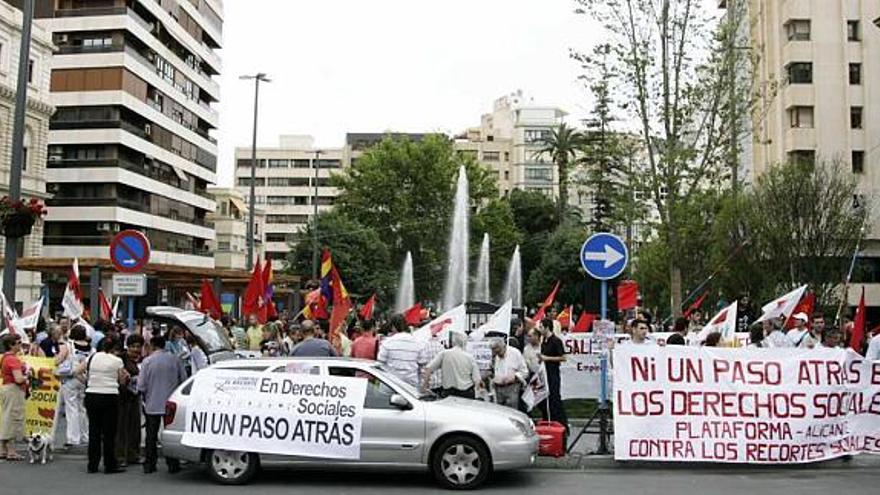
(358, 251)
(496, 219)
(535, 216)
(797, 225)
(559, 261)
(404, 191)
(562, 145)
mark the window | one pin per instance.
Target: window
(223, 246)
(855, 74)
(858, 162)
(300, 164)
(798, 30)
(278, 200)
(506, 156)
(246, 181)
(273, 163)
(31, 71)
(287, 218)
(855, 117)
(804, 157)
(329, 164)
(378, 393)
(276, 238)
(535, 135)
(506, 175)
(539, 174)
(800, 73)
(801, 117)
(491, 156)
(853, 31)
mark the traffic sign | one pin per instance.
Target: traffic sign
(129, 285)
(604, 256)
(130, 251)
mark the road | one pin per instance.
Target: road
(68, 471)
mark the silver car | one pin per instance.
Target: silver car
(460, 441)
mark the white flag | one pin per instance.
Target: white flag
(783, 305)
(115, 316)
(498, 322)
(536, 391)
(29, 316)
(454, 320)
(724, 323)
(71, 302)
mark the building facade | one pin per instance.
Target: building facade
(230, 221)
(818, 81)
(130, 145)
(39, 110)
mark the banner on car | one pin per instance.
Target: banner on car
(762, 406)
(276, 413)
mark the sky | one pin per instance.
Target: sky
(342, 66)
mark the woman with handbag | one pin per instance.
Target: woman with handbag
(73, 388)
(104, 372)
(12, 396)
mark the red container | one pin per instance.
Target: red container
(551, 438)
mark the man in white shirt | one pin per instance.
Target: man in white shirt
(532, 351)
(509, 373)
(777, 338)
(460, 375)
(427, 354)
(400, 353)
(798, 334)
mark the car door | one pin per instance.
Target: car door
(389, 434)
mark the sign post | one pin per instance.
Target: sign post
(604, 257)
(130, 253)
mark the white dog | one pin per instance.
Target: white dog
(39, 447)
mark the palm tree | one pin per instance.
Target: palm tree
(562, 145)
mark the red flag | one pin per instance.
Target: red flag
(584, 323)
(696, 305)
(805, 305)
(858, 333)
(627, 295)
(413, 315)
(253, 295)
(106, 310)
(315, 306)
(564, 318)
(341, 308)
(269, 290)
(209, 304)
(367, 310)
(547, 303)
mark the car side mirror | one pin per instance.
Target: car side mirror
(400, 402)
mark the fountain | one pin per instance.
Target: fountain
(406, 288)
(513, 288)
(455, 290)
(481, 291)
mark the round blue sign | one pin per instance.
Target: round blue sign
(604, 256)
(130, 251)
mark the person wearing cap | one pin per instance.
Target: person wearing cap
(798, 335)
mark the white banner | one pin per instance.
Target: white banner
(762, 406)
(276, 413)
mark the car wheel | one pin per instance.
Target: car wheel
(461, 463)
(231, 467)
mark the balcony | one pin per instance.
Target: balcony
(125, 203)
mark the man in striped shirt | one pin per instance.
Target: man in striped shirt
(430, 349)
(400, 353)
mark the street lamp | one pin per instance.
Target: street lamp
(10, 259)
(315, 273)
(252, 199)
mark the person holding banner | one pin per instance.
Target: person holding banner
(12, 397)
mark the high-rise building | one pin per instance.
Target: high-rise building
(230, 221)
(130, 144)
(818, 81)
(39, 109)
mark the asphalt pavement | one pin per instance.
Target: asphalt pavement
(68, 472)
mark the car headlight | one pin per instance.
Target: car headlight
(526, 428)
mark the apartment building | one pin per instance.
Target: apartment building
(130, 145)
(230, 221)
(818, 78)
(508, 141)
(39, 110)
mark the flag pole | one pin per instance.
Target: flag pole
(852, 265)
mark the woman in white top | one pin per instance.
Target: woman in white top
(103, 372)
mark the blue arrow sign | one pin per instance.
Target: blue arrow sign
(604, 256)
(129, 251)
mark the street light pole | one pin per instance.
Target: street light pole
(252, 198)
(10, 259)
(315, 273)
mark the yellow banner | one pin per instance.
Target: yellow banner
(41, 407)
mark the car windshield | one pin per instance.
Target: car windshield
(210, 333)
(391, 377)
